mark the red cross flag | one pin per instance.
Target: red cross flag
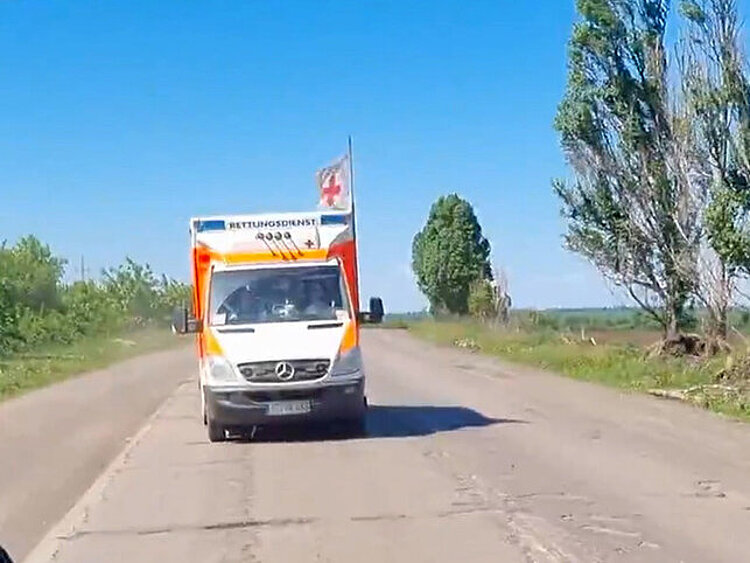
(334, 186)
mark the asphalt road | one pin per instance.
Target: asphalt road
(467, 459)
(54, 442)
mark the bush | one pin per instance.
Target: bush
(536, 320)
(92, 308)
(37, 308)
(10, 335)
(51, 327)
(481, 300)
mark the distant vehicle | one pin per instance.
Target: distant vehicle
(277, 318)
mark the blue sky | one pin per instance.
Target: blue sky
(120, 120)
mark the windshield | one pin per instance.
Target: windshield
(276, 295)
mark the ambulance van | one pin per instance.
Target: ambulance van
(277, 318)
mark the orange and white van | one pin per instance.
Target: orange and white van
(277, 316)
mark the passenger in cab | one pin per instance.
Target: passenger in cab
(318, 306)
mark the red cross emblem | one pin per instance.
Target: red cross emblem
(331, 191)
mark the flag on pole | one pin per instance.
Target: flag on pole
(334, 185)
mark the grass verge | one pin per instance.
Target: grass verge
(22, 373)
(617, 365)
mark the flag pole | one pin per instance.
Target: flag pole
(353, 213)
(351, 184)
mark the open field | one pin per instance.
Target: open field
(48, 364)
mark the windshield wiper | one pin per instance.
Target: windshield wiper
(237, 329)
(325, 325)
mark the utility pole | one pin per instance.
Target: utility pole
(83, 268)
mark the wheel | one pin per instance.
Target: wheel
(357, 427)
(216, 432)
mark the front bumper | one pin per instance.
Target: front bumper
(244, 407)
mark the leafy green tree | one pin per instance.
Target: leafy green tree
(134, 287)
(629, 209)
(92, 309)
(140, 295)
(172, 293)
(37, 308)
(449, 253)
(32, 274)
(9, 332)
(482, 300)
(717, 91)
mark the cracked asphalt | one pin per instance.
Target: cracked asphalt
(466, 459)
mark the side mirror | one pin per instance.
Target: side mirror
(376, 310)
(184, 323)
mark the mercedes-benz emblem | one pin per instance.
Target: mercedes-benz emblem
(284, 371)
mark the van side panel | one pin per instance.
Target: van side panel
(201, 265)
(346, 252)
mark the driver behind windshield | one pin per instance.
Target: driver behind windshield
(247, 307)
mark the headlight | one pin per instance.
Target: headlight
(347, 363)
(219, 370)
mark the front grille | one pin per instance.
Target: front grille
(267, 372)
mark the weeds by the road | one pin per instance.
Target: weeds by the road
(393, 324)
(618, 365)
(23, 372)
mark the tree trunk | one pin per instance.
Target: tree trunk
(719, 299)
(671, 321)
(722, 311)
(722, 323)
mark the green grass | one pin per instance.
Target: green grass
(22, 373)
(616, 365)
(393, 324)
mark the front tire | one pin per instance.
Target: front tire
(216, 432)
(357, 427)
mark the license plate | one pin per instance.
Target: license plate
(285, 408)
